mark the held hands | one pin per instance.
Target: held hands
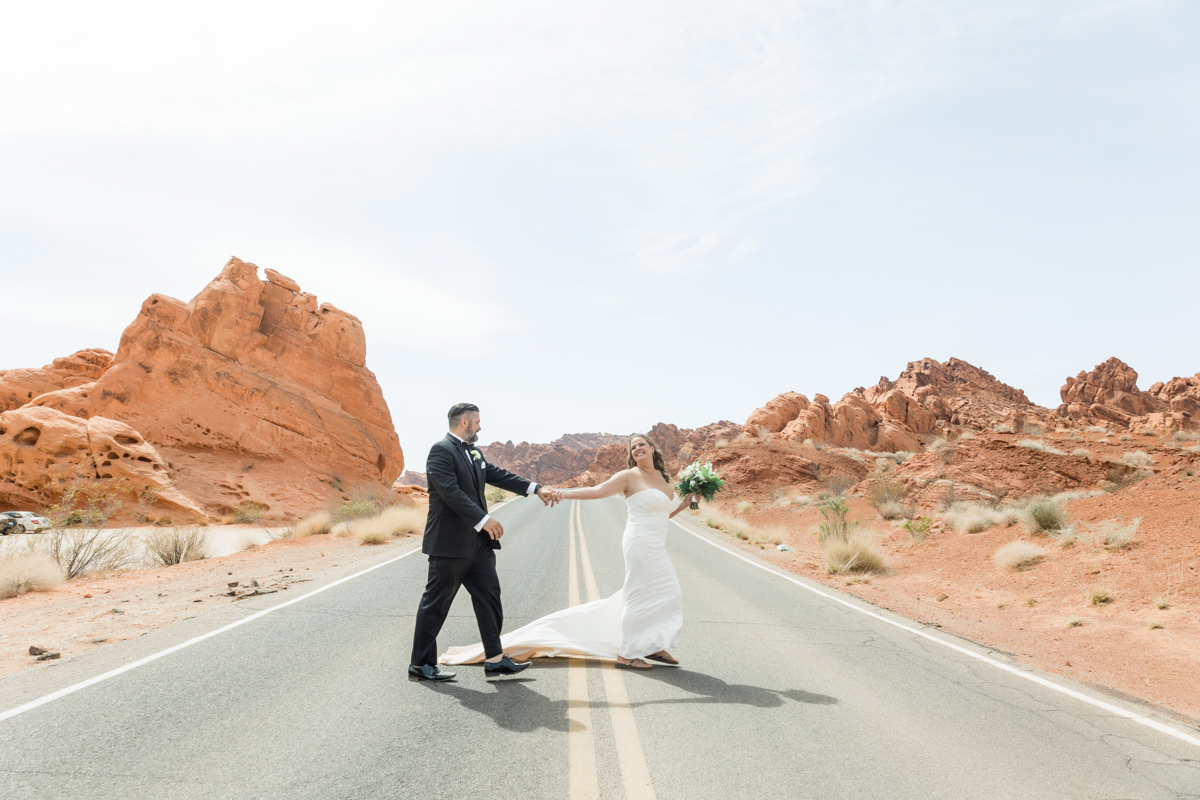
(549, 496)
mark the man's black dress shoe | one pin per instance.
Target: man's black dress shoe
(505, 666)
(428, 672)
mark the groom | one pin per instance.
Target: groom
(461, 540)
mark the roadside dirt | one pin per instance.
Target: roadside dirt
(103, 608)
(950, 581)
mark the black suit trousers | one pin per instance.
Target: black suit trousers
(478, 575)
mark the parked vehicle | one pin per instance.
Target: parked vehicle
(7, 525)
(27, 521)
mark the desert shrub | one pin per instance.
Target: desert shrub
(742, 506)
(32, 572)
(318, 523)
(856, 553)
(248, 512)
(1074, 622)
(973, 518)
(721, 444)
(1096, 429)
(965, 436)
(1114, 534)
(354, 509)
(1031, 429)
(837, 484)
(937, 443)
(177, 545)
(1182, 436)
(1034, 444)
(836, 526)
(1135, 459)
(716, 518)
(1107, 486)
(1100, 596)
(78, 551)
(1081, 452)
(900, 456)
(1004, 427)
(495, 494)
(1125, 437)
(891, 510)
(1043, 515)
(918, 528)
(885, 490)
(764, 434)
(1018, 555)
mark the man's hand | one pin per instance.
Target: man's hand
(549, 496)
(493, 528)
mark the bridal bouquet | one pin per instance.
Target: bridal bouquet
(699, 479)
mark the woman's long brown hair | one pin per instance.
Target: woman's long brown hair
(659, 464)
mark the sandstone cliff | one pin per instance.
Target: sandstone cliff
(253, 391)
(19, 386)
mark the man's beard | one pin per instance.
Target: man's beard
(472, 439)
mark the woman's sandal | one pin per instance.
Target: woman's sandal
(636, 663)
(670, 660)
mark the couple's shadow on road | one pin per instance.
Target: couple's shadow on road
(514, 704)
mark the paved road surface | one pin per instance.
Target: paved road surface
(784, 694)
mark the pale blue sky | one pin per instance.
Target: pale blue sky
(597, 219)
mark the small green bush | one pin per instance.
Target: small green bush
(1044, 515)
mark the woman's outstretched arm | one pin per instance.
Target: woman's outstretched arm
(687, 501)
(617, 483)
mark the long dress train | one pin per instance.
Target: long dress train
(643, 617)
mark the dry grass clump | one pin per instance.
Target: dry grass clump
(965, 436)
(177, 545)
(856, 553)
(32, 572)
(1074, 622)
(1043, 515)
(248, 512)
(1081, 452)
(1100, 596)
(937, 443)
(892, 510)
(392, 521)
(1035, 444)
(1183, 436)
(743, 506)
(1063, 498)
(885, 493)
(1018, 555)
(314, 524)
(80, 551)
(1004, 427)
(494, 494)
(1136, 459)
(974, 518)
(716, 518)
(1096, 429)
(1114, 534)
(1194, 449)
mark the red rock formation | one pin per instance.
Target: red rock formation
(410, 478)
(20, 386)
(1107, 394)
(926, 398)
(561, 463)
(252, 391)
(43, 450)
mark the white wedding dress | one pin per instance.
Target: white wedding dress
(643, 617)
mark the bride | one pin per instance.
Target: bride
(644, 617)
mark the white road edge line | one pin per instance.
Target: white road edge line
(1094, 701)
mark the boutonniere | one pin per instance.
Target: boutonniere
(475, 455)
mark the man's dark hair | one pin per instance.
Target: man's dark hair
(459, 410)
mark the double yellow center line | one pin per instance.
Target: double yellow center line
(581, 748)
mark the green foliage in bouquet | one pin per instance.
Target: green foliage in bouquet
(699, 479)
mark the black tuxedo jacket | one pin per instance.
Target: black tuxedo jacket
(456, 499)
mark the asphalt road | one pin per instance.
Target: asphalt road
(782, 693)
